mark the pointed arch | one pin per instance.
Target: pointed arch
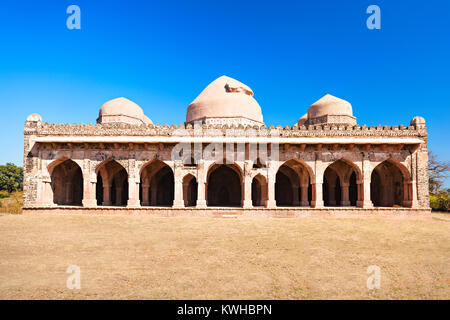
(66, 182)
(234, 166)
(190, 187)
(342, 183)
(157, 184)
(259, 191)
(293, 184)
(331, 188)
(224, 185)
(390, 185)
(55, 163)
(155, 163)
(112, 183)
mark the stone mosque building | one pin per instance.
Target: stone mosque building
(225, 161)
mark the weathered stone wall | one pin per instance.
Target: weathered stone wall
(41, 157)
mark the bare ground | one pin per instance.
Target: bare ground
(145, 257)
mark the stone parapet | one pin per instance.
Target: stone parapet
(122, 129)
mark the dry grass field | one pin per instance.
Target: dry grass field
(144, 257)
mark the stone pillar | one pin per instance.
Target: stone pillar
(317, 201)
(106, 194)
(271, 202)
(304, 195)
(178, 199)
(366, 202)
(46, 197)
(407, 194)
(318, 195)
(414, 175)
(133, 193)
(178, 188)
(360, 191)
(145, 194)
(345, 200)
(201, 193)
(89, 192)
(248, 192)
(414, 200)
(421, 195)
(201, 184)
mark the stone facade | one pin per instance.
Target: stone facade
(119, 167)
(224, 159)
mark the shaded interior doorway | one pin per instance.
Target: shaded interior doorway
(224, 187)
(283, 190)
(353, 190)
(340, 187)
(157, 185)
(67, 183)
(112, 184)
(331, 188)
(293, 185)
(259, 191)
(190, 187)
(388, 187)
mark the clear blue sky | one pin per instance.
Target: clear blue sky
(162, 54)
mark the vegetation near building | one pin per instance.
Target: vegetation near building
(11, 186)
(11, 178)
(438, 172)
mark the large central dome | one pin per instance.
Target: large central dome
(225, 101)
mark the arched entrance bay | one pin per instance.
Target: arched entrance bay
(112, 184)
(190, 188)
(224, 186)
(66, 182)
(340, 184)
(293, 184)
(157, 184)
(390, 185)
(259, 191)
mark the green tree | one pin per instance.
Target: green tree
(11, 178)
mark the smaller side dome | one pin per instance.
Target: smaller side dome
(34, 118)
(330, 105)
(122, 110)
(330, 110)
(418, 121)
